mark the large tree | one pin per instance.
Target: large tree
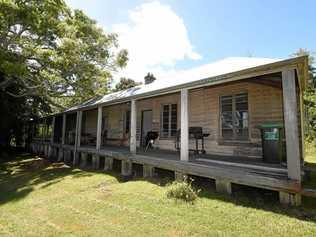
(51, 57)
(50, 51)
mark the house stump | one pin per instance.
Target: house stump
(108, 163)
(223, 186)
(148, 171)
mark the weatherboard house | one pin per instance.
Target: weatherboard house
(202, 122)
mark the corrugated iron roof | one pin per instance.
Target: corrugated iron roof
(222, 67)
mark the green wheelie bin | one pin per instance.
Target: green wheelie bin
(272, 142)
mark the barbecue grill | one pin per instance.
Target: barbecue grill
(194, 133)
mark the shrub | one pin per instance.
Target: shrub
(182, 191)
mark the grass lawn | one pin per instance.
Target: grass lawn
(42, 199)
(310, 154)
(310, 162)
(311, 158)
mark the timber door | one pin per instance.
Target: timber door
(146, 125)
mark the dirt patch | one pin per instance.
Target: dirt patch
(58, 165)
(175, 233)
(36, 164)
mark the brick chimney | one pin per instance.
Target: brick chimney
(149, 78)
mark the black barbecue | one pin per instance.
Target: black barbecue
(194, 133)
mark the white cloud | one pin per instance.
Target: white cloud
(156, 38)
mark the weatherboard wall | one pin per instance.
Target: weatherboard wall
(264, 105)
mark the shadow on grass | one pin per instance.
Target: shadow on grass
(19, 175)
(309, 181)
(310, 165)
(257, 198)
(244, 196)
(15, 195)
(250, 197)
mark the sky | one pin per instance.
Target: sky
(167, 36)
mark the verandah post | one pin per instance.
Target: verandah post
(291, 135)
(53, 130)
(63, 135)
(79, 129)
(77, 137)
(99, 128)
(133, 127)
(291, 125)
(63, 130)
(184, 151)
(50, 146)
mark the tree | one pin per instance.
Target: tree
(311, 66)
(50, 51)
(51, 57)
(310, 95)
(125, 83)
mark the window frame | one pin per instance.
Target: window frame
(234, 138)
(170, 135)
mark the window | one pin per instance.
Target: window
(234, 116)
(169, 120)
(127, 121)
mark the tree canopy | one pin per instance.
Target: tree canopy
(51, 57)
(49, 51)
(125, 83)
(310, 95)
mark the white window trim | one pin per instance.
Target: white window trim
(233, 94)
(162, 136)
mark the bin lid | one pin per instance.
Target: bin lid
(271, 125)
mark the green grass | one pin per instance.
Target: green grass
(42, 199)
(310, 163)
(310, 153)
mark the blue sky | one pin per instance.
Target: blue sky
(187, 33)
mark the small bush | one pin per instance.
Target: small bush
(182, 191)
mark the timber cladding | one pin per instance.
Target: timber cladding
(264, 105)
(155, 104)
(114, 120)
(89, 121)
